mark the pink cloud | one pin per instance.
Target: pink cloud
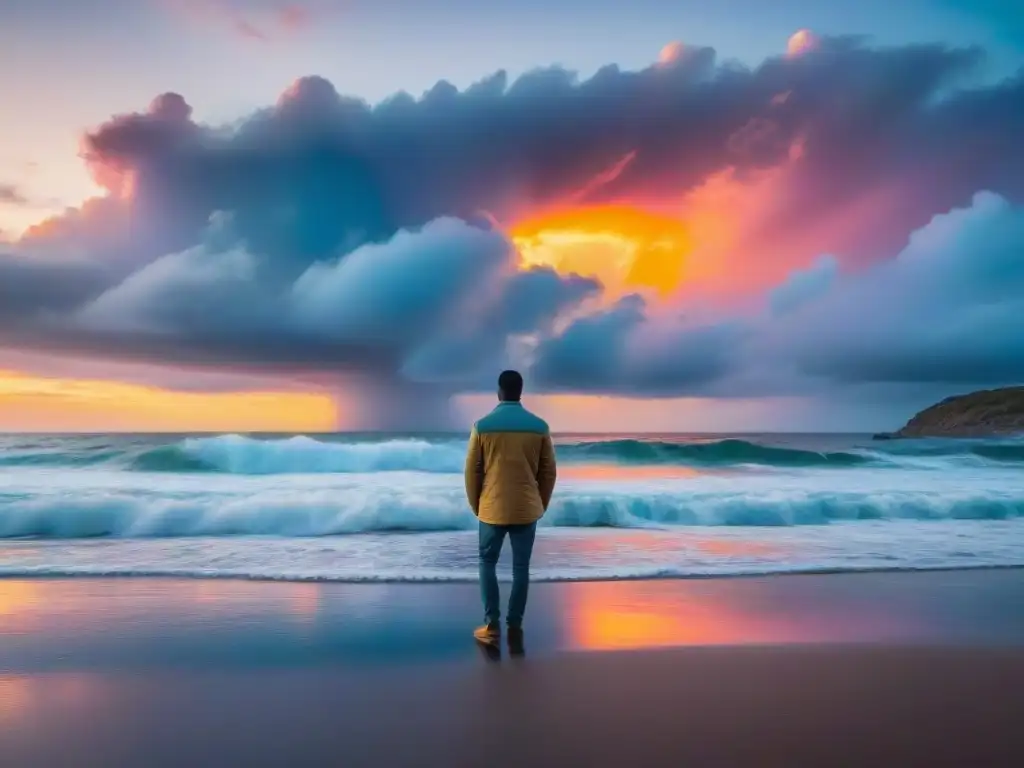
(671, 53)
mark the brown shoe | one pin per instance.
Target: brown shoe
(487, 635)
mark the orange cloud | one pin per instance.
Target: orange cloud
(801, 42)
(625, 247)
(711, 241)
(671, 53)
(730, 237)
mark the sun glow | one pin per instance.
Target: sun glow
(29, 404)
(626, 248)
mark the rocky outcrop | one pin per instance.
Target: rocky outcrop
(987, 413)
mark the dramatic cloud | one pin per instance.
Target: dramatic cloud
(948, 310)
(33, 289)
(428, 307)
(325, 236)
(320, 171)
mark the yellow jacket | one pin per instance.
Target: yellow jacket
(510, 466)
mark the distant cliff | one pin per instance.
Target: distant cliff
(979, 414)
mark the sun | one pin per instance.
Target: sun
(625, 247)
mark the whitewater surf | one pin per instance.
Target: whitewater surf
(371, 507)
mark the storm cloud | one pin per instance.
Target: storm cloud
(319, 171)
(946, 311)
(326, 235)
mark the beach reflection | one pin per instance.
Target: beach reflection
(602, 616)
(300, 600)
(17, 698)
(18, 606)
(89, 606)
(58, 626)
(606, 616)
(23, 697)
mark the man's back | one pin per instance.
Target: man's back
(510, 466)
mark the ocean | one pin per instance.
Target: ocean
(392, 508)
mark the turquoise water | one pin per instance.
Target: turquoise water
(392, 507)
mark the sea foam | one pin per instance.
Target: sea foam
(245, 455)
(297, 512)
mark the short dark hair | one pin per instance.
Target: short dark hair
(510, 385)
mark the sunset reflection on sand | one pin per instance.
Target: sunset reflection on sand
(603, 616)
(629, 616)
(73, 608)
(58, 626)
(18, 606)
(24, 697)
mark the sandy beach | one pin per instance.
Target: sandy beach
(873, 669)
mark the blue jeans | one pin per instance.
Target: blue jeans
(491, 539)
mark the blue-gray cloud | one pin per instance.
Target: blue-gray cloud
(948, 309)
(320, 171)
(325, 235)
(804, 285)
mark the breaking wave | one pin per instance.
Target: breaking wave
(244, 455)
(347, 511)
(712, 453)
(248, 456)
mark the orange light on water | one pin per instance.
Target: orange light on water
(623, 246)
(625, 472)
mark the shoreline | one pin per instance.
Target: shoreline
(60, 621)
(502, 577)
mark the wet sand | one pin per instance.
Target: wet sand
(878, 669)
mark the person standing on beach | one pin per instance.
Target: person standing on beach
(510, 476)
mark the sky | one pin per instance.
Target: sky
(251, 215)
